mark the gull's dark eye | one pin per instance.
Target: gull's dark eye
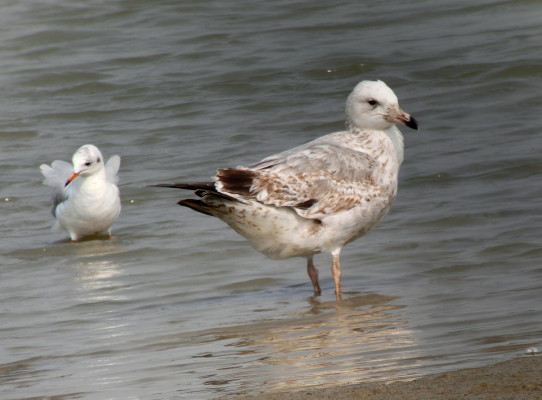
(372, 102)
(88, 163)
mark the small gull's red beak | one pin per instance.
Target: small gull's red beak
(71, 178)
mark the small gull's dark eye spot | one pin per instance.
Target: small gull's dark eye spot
(372, 102)
(88, 163)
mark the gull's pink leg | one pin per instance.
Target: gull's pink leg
(313, 274)
(336, 273)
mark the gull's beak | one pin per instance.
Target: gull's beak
(411, 122)
(400, 117)
(71, 178)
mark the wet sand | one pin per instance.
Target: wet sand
(517, 379)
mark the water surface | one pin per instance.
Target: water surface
(176, 305)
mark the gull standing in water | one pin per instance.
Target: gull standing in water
(86, 198)
(321, 195)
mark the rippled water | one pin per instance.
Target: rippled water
(178, 306)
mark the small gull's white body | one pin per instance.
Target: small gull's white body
(86, 199)
(319, 196)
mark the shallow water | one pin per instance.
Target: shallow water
(176, 305)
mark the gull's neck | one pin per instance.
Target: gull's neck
(376, 140)
(396, 138)
(90, 185)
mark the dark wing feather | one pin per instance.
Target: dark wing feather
(188, 185)
(58, 197)
(236, 181)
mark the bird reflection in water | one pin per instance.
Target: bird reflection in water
(361, 338)
(95, 269)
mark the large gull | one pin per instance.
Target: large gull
(86, 199)
(321, 195)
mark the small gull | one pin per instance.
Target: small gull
(321, 195)
(86, 199)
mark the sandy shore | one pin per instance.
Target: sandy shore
(517, 379)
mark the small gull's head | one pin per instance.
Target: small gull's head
(87, 160)
(373, 105)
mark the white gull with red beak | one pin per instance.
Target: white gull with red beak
(86, 198)
(319, 196)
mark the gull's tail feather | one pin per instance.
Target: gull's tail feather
(205, 190)
(188, 185)
(197, 205)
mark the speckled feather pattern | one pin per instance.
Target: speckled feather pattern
(336, 173)
(348, 179)
(321, 195)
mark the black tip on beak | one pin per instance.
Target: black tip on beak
(412, 123)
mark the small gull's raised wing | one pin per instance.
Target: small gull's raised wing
(112, 168)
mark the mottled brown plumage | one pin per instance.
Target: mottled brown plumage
(319, 196)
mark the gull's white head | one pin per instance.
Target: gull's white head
(87, 160)
(373, 105)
